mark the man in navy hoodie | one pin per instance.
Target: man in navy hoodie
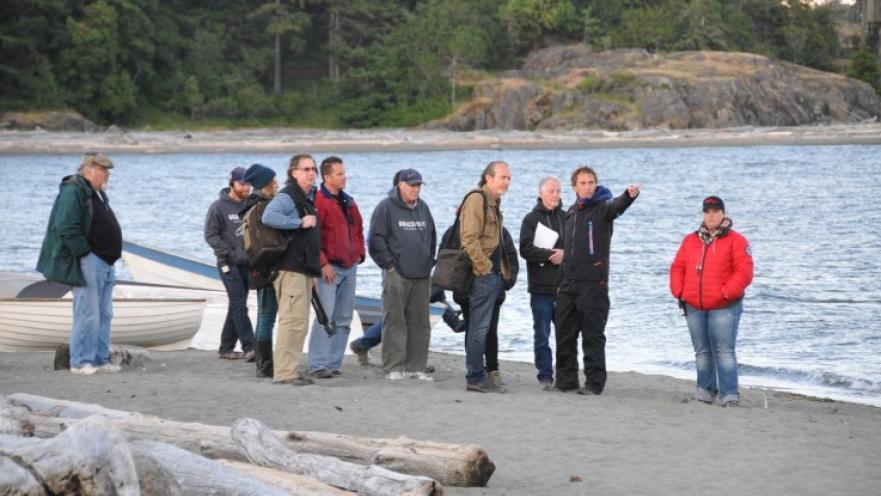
(223, 234)
(583, 300)
(402, 242)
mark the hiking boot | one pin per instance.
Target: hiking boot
(108, 368)
(263, 359)
(320, 374)
(495, 377)
(422, 376)
(396, 375)
(297, 381)
(363, 358)
(485, 387)
(86, 369)
(249, 356)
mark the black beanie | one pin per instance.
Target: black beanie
(259, 176)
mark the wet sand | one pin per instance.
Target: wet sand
(644, 435)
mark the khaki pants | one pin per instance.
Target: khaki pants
(406, 331)
(294, 293)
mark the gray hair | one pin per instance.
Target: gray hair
(545, 180)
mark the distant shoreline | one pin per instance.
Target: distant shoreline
(289, 141)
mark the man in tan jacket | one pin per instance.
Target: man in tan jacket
(481, 235)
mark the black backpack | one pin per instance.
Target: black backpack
(263, 244)
(453, 271)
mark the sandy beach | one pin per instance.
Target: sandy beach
(281, 140)
(644, 435)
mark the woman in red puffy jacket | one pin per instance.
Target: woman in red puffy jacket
(711, 271)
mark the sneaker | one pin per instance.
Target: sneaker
(296, 381)
(731, 404)
(86, 369)
(397, 375)
(230, 355)
(320, 374)
(429, 369)
(363, 358)
(335, 372)
(249, 356)
(547, 385)
(495, 377)
(108, 368)
(485, 387)
(422, 376)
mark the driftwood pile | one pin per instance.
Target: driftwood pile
(50, 447)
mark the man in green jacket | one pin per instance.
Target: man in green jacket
(83, 241)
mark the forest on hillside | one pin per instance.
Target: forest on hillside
(350, 63)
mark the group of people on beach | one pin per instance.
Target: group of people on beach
(566, 252)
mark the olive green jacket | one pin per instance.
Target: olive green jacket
(69, 223)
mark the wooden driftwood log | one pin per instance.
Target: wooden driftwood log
(91, 457)
(449, 464)
(199, 475)
(264, 448)
(296, 484)
(122, 355)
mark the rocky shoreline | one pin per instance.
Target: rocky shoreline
(291, 140)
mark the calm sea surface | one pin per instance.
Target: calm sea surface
(812, 318)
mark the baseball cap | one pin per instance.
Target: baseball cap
(713, 202)
(410, 176)
(93, 157)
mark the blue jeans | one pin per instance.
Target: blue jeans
(237, 325)
(92, 311)
(542, 306)
(372, 337)
(713, 334)
(338, 299)
(484, 293)
(267, 309)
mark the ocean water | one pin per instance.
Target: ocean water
(811, 318)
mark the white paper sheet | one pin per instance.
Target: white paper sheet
(545, 237)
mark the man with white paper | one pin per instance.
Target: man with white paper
(541, 245)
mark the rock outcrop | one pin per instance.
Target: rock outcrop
(47, 121)
(569, 87)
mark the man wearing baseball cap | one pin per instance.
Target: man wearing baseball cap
(82, 242)
(402, 242)
(222, 233)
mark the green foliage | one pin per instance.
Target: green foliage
(864, 66)
(528, 20)
(351, 62)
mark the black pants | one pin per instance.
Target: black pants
(492, 336)
(237, 325)
(582, 308)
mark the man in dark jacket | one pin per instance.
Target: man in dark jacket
(543, 266)
(583, 301)
(83, 241)
(342, 249)
(293, 211)
(402, 242)
(223, 234)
